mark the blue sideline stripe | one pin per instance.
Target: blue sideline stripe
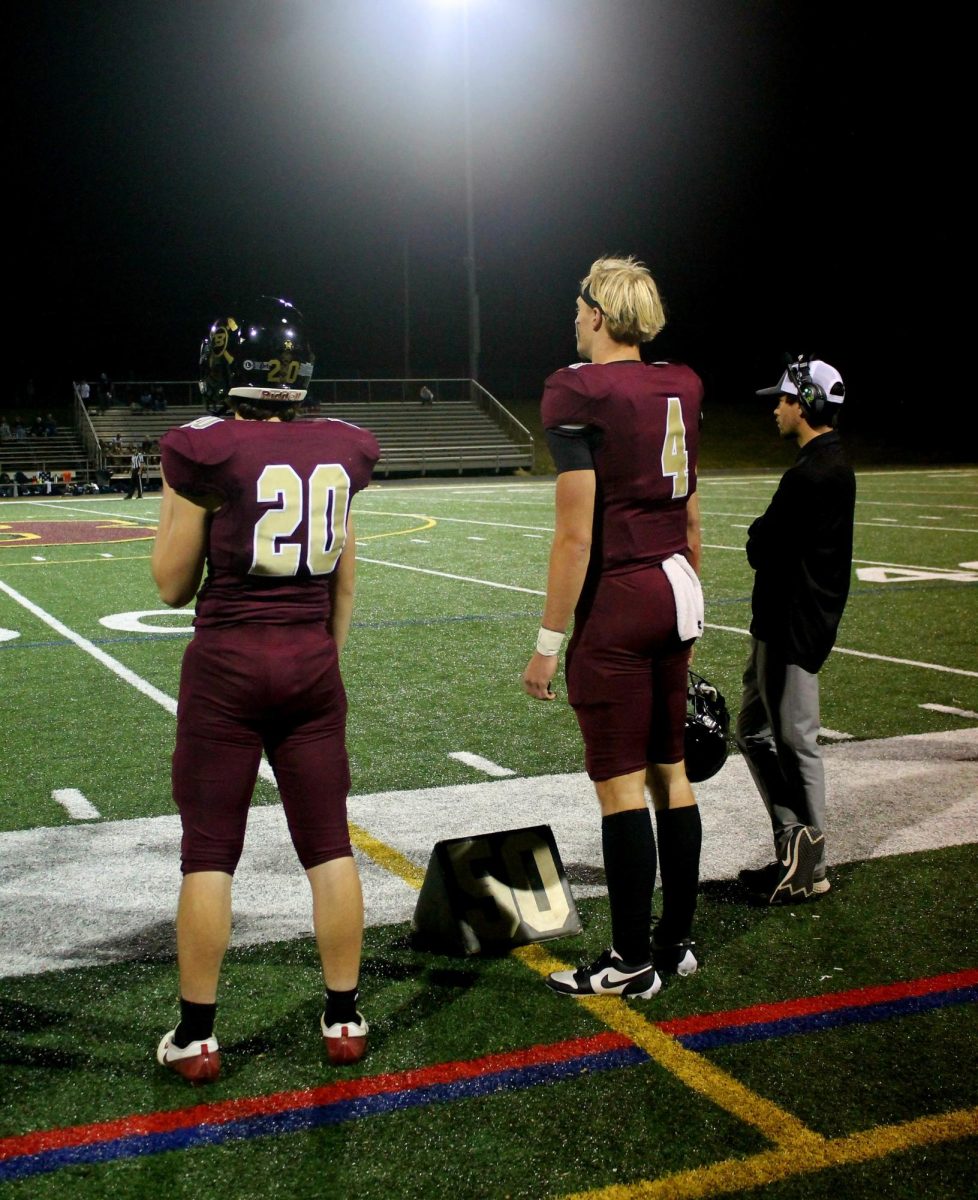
(735, 1035)
(298, 1119)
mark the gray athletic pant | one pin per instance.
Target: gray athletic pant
(777, 730)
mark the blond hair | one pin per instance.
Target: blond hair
(626, 293)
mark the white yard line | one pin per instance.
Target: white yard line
(917, 504)
(113, 664)
(878, 523)
(99, 512)
(481, 764)
(875, 562)
(954, 712)
(509, 587)
(75, 804)
(117, 668)
(902, 662)
(506, 587)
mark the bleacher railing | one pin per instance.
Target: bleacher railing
(324, 394)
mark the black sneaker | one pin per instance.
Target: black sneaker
(674, 958)
(609, 975)
(791, 878)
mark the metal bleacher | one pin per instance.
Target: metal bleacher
(42, 465)
(463, 429)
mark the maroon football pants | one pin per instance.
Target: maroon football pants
(627, 674)
(254, 688)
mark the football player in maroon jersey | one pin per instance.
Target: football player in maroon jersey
(263, 504)
(624, 435)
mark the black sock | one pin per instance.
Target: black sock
(341, 1006)
(628, 844)
(196, 1023)
(680, 837)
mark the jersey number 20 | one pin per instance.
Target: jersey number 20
(322, 501)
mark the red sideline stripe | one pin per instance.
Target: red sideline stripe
(806, 1005)
(347, 1089)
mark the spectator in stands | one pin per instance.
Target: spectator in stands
(159, 399)
(20, 431)
(84, 392)
(146, 399)
(50, 425)
(37, 427)
(427, 396)
(6, 433)
(104, 390)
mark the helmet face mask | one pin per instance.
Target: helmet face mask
(263, 359)
(707, 726)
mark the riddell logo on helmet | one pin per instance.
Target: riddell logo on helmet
(278, 394)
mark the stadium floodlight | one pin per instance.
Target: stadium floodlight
(470, 262)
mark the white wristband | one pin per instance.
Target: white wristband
(549, 642)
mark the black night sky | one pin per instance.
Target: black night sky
(791, 172)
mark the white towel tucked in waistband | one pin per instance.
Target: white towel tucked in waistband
(688, 594)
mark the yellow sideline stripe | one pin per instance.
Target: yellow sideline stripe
(693, 1069)
(386, 856)
(771, 1166)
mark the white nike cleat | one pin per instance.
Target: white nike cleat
(610, 975)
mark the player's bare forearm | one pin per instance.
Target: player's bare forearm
(569, 558)
(694, 536)
(342, 589)
(180, 549)
(570, 554)
(570, 551)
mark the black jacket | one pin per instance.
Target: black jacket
(801, 551)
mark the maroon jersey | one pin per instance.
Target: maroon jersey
(641, 422)
(285, 489)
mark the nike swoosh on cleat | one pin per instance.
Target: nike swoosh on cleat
(609, 980)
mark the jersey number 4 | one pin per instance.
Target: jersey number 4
(675, 459)
(317, 508)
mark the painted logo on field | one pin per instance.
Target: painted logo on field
(14, 534)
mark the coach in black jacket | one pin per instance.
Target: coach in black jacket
(801, 552)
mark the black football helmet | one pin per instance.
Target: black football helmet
(263, 356)
(707, 726)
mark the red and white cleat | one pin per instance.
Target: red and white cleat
(200, 1062)
(346, 1041)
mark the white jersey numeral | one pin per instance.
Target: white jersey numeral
(675, 459)
(324, 500)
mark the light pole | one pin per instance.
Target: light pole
(473, 293)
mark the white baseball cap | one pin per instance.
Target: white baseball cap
(820, 373)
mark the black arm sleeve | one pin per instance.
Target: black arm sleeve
(573, 449)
